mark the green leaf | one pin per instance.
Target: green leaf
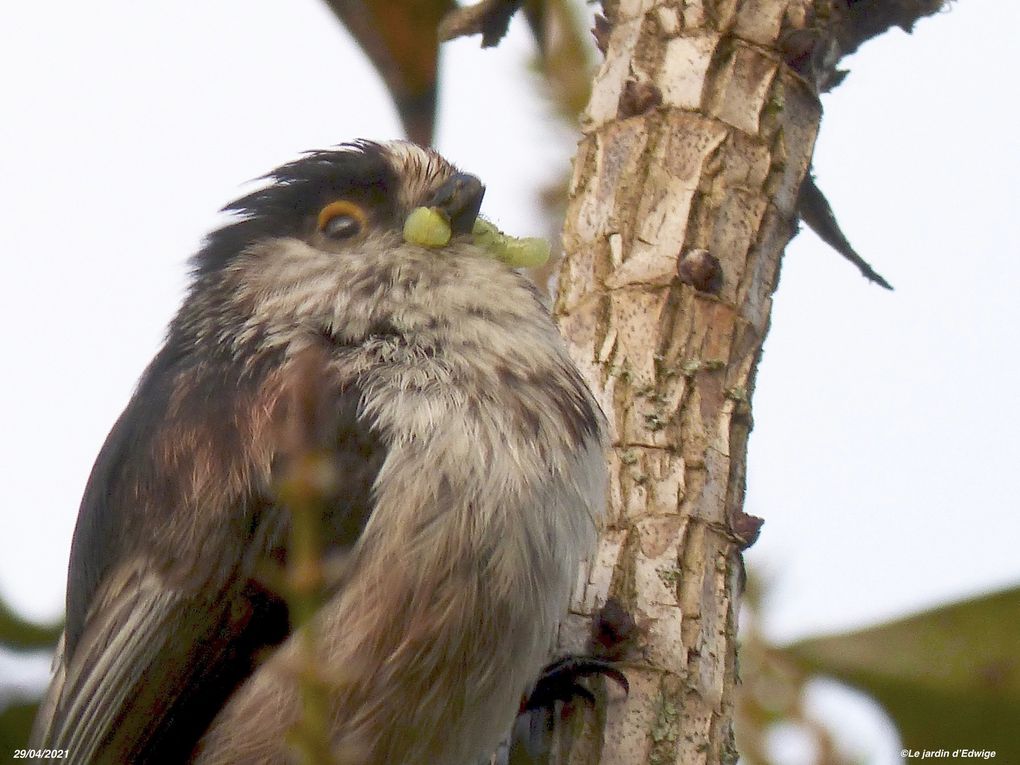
(949, 678)
(401, 39)
(18, 634)
(16, 725)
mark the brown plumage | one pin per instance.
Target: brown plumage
(471, 478)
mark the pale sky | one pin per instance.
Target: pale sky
(884, 448)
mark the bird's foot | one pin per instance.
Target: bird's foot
(559, 681)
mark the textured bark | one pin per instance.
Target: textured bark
(697, 137)
(684, 194)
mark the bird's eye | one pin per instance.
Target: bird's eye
(341, 220)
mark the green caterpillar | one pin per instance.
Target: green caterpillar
(427, 227)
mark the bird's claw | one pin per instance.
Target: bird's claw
(559, 681)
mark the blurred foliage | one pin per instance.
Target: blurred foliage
(772, 693)
(566, 59)
(21, 635)
(17, 712)
(16, 718)
(401, 38)
(949, 678)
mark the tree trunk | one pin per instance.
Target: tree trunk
(697, 137)
(696, 141)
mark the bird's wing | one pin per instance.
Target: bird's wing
(155, 663)
(152, 653)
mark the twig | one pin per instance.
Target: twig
(815, 211)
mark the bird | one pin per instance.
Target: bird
(467, 485)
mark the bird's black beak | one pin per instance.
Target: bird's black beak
(459, 198)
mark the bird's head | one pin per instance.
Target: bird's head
(336, 239)
(342, 199)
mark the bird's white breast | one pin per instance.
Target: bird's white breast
(485, 504)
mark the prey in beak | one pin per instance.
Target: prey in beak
(458, 199)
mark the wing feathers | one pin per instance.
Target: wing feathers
(146, 682)
(159, 636)
(110, 668)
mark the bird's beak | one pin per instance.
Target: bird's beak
(459, 198)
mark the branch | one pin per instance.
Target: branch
(863, 20)
(307, 477)
(489, 18)
(816, 212)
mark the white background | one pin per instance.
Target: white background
(884, 452)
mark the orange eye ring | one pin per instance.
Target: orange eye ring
(338, 208)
